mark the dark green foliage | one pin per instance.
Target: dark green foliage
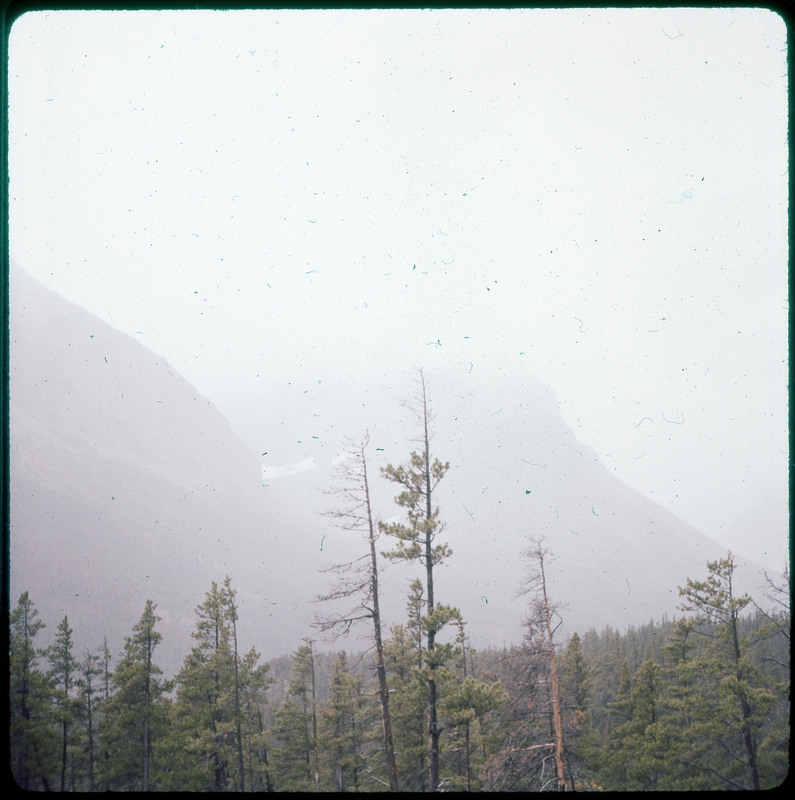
(706, 708)
(465, 714)
(343, 725)
(403, 656)
(63, 668)
(33, 739)
(255, 680)
(204, 713)
(735, 696)
(135, 714)
(692, 704)
(293, 734)
(575, 696)
(217, 738)
(90, 702)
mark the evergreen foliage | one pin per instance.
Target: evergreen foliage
(660, 707)
(293, 733)
(135, 713)
(32, 736)
(63, 667)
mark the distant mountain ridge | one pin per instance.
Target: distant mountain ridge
(617, 558)
(72, 346)
(127, 484)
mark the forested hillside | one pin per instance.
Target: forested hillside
(697, 702)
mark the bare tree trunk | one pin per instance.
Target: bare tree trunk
(264, 752)
(468, 761)
(553, 667)
(748, 736)
(145, 781)
(91, 785)
(64, 729)
(433, 730)
(361, 579)
(238, 731)
(314, 718)
(383, 689)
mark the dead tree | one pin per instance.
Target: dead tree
(358, 581)
(541, 625)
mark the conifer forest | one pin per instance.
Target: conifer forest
(698, 702)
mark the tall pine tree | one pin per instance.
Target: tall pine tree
(134, 714)
(740, 701)
(205, 713)
(417, 542)
(294, 731)
(32, 736)
(63, 669)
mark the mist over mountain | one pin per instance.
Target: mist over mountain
(760, 532)
(127, 484)
(518, 471)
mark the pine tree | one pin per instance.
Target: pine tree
(575, 698)
(205, 712)
(465, 704)
(133, 713)
(32, 737)
(616, 750)
(218, 738)
(105, 689)
(294, 730)
(255, 681)
(416, 542)
(676, 723)
(686, 711)
(342, 731)
(740, 701)
(771, 655)
(90, 669)
(605, 652)
(460, 712)
(408, 703)
(646, 764)
(63, 667)
(228, 595)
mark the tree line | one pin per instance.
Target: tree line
(701, 702)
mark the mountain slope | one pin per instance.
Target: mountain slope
(126, 484)
(517, 470)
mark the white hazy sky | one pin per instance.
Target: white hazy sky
(598, 195)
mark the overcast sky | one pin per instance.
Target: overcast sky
(270, 197)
